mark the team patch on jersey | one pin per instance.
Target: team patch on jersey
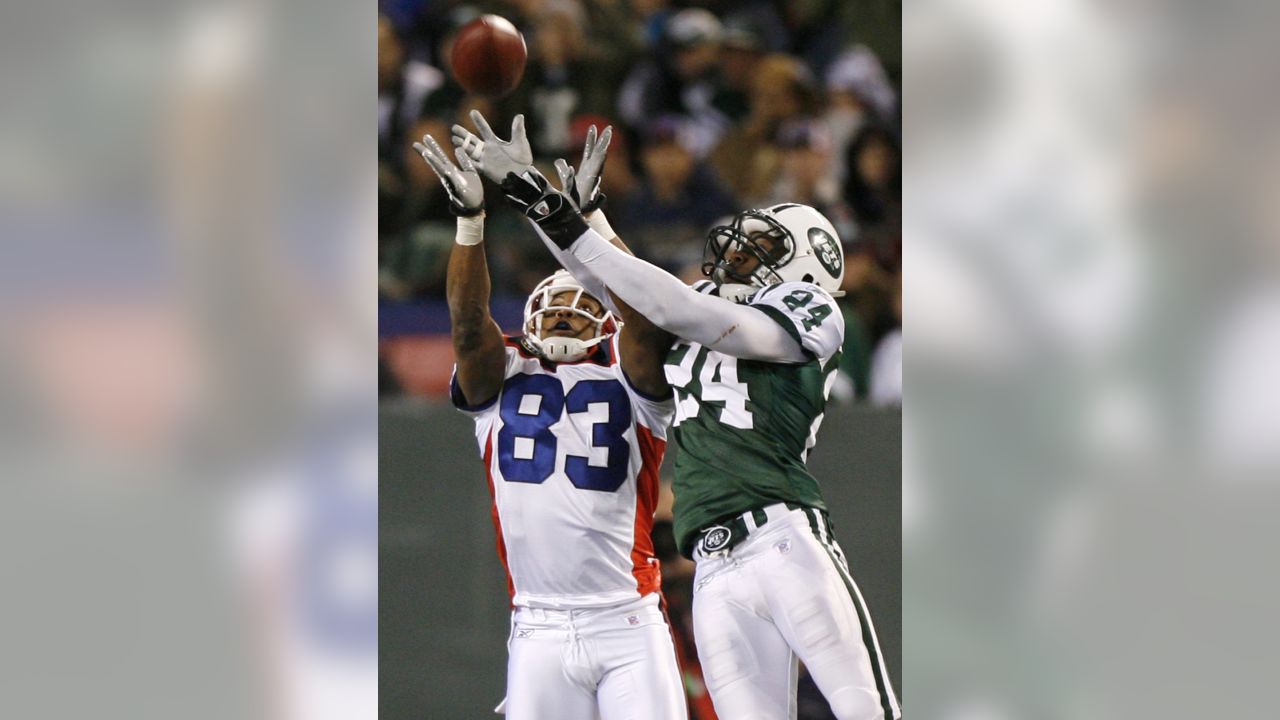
(715, 537)
(825, 247)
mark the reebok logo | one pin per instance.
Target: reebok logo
(541, 208)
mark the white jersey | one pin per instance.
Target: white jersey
(572, 452)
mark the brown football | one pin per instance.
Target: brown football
(488, 56)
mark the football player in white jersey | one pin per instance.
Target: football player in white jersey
(571, 423)
(758, 348)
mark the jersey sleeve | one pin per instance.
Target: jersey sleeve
(471, 408)
(807, 312)
(654, 413)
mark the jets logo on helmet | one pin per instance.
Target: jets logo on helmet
(791, 242)
(827, 250)
(557, 293)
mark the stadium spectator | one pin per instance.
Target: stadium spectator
(874, 192)
(720, 110)
(415, 196)
(414, 225)
(396, 106)
(807, 176)
(868, 313)
(764, 18)
(666, 216)
(680, 79)
(561, 81)
(816, 32)
(886, 361)
(858, 94)
(648, 20)
(747, 158)
(740, 53)
(886, 370)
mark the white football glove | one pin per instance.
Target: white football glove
(466, 195)
(494, 157)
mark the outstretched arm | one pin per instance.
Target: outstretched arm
(649, 291)
(738, 330)
(477, 339)
(497, 158)
(644, 345)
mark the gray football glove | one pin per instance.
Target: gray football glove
(584, 185)
(493, 156)
(466, 195)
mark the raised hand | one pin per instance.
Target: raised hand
(549, 208)
(584, 185)
(493, 156)
(466, 195)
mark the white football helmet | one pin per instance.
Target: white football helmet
(804, 247)
(562, 349)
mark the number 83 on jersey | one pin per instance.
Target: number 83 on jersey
(527, 442)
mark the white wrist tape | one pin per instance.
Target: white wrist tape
(470, 230)
(600, 224)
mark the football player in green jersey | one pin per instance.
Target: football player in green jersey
(756, 351)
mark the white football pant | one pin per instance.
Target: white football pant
(614, 663)
(781, 595)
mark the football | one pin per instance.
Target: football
(488, 56)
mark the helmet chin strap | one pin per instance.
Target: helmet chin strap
(562, 349)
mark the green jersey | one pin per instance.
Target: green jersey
(744, 428)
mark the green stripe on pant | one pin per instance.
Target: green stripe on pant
(864, 617)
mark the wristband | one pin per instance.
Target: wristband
(470, 229)
(600, 224)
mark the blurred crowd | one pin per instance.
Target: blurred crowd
(716, 106)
